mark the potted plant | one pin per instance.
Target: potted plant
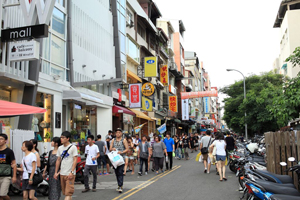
(48, 137)
(75, 134)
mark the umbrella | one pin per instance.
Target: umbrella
(10, 109)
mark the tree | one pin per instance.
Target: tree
(261, 90)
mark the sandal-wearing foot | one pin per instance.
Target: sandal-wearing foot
(132, 173)
(220, 180)
(124, 174)
(224, 178)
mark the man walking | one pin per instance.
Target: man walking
(66, 163)
(91, 154)
(7, 161)
(229, 144)
(204, 146)
(169, 142)
(143, 155)
(101, 159)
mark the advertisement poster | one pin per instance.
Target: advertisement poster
(147, 104)
(150, 65)
(173, 103)
(164, 75)
(185, 109)
(135, 96)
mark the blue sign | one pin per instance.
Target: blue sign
(162, 128)
(206, 105)
(147, 104)
(150, 61)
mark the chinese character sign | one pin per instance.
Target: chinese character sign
(173, 103)
(164, 75)
(135, 99)
(185, 109)
(192, 95)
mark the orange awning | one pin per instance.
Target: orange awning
(133, 75)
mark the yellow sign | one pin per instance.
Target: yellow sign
(150, 65)
(164, 75)
(173, 103)
(148, 89)
(158, 122)
(147, 104)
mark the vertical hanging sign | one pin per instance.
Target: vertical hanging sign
(173, 103)
(185, 109)
(150, 65)
(164, 75)
(135, 96)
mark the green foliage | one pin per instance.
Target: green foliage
(295, 57)
(261, 90)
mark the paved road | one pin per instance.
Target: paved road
(185, 181)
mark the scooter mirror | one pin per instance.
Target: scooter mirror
(291, 159)
(283, 164)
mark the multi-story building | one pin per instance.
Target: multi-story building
(287, 19)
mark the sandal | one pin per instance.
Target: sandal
(221, 180)
(225, 179)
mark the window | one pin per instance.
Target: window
(133, 50)
(129, 16)
(141, 31)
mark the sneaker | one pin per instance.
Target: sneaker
(152, 170)
(140, 173)
(162, 171)
(217, 173)
(156, 173)
(85, 190)
(118, 189)
(100, 173)
(205, 171)
(121, 190)
(146, 173)
(94, 190)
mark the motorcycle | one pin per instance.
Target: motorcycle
(80, 172)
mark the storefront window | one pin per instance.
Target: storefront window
(83, 121)
(5, 96)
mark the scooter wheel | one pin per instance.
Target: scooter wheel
(14, 190)
(45, 191)
(232, 167)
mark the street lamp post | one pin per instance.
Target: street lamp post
(246, 132)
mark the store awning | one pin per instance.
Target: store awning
(133, 75)
(140, 114)
(153, 118)
(284, 66)
(119, 109)
(10, 109)
(88, 99)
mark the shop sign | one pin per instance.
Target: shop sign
(135, 96)
(164, 75)
(28, 50)
(77, 107)
(192, 95)
(4, 95)
(206, 105)
(173, 103)
(185, 109)
(24, 33)
(147, 104)
(193, 112)
(158, 122)
(119, 103)
(148, 89)
(150, 66)
(34, 10)
(172, 89)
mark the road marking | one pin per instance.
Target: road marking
(146, 184)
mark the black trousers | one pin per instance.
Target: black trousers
(170, 156)
(119, 174)
(142, 161)
(159, 163)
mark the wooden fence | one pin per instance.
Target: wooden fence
(280, 146)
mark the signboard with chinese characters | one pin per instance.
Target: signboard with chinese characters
(173, 103)
(185, 109)
(147, 104)
(135, 96)
(164, 75)
(206, 105)
(191, 95)
(28, 50)
(150, 65)
(148, 89)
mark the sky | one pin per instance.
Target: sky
(228, 34)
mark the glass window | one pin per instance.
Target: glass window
(56, 70)
(58, 23)
(46, 47)
(123, 43)
(58, 51)
(46, 67)
(132, 50)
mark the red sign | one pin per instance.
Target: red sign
(135, 100)
(164, 75)
(120, 95)
(173, 103)
(191, 95)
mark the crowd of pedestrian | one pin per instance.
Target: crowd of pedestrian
(62, 160)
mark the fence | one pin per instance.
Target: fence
(280, 146)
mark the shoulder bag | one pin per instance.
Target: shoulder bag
(204, 150)
(63, 157)
(37, 178)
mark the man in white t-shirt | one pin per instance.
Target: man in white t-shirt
(91, 154)
(66, 165)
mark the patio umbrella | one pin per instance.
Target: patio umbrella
(10, 109)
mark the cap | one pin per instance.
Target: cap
(118, 129)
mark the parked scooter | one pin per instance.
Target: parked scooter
(80, 172)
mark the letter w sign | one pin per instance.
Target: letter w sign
(34, 10)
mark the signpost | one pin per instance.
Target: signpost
(28, 50)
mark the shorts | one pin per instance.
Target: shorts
(4, 185)
(107, 160)
(220, 158)
(205, 156)
(67, 186)
(26, 186)
(129, 157)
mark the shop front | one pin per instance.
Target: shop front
(122, 117)
(142, 118)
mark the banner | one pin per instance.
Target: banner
(147, 104)
(192, 95)
(150, 67)
(173, 103)
(193, 112)
(185, 109)
(135, 96)
(206, 105)
(164, 75)
(162, 128)
(139, 128)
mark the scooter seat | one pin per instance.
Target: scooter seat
(275, 177)
(284, 197)
(276, 188)
(262, 164)
(290, 185)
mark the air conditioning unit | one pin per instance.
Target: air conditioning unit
(131, 24)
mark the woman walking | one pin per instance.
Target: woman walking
(29, 167)
(177, 148)
(158, 150)
(220, 145)
(54, 185)
(129, 157)
(35, 151)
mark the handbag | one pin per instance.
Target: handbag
(37, 178)
(144, 155)
(204, 150)
(115, 159)
(5, 170)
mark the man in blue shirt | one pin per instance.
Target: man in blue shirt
(169, 142)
